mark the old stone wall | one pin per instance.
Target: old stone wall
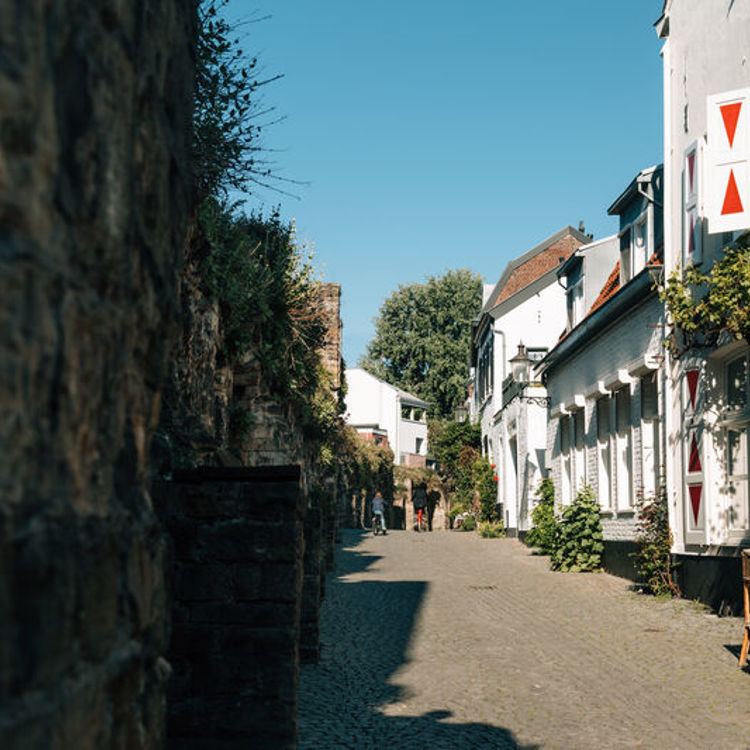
(237, 583)
(95, 106)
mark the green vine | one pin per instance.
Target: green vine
(653, 560)
(703, 306)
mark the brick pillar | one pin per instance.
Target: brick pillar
(238, 552)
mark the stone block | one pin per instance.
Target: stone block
(202, 582)
(44, 604)
(235, 541)
(261, 614)
(266, 582)
(98, 594)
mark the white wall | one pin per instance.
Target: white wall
(409, 431)
(706, 53)
(621, 351)
(370, 401)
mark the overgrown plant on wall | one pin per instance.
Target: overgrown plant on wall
(229, 114)
(253, 265)
(365, 467)
(543, 532)
(578, 542)
(265, 284)
(653, 560)
(705, 305)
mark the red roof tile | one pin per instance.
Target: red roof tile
(611, 285)
(537, 266)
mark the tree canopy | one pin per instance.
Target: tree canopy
(422, 338)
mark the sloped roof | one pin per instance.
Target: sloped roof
(411, 399)
(611, 285)
(527, 268)
(608, 291)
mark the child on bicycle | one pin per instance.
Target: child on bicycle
(378, 509)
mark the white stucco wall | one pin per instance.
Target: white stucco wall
(535, 319)
(372, 402)
(706, 53)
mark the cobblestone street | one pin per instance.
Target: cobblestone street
(446, 640)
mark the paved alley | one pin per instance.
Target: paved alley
(446, 640)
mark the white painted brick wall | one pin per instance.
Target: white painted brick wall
(620, 347)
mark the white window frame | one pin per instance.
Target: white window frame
(604, 453)
(650, 441)
(624, 454)
(737, 420)
(636, 264)
(578, 451)
(566, 469)
(574, 303)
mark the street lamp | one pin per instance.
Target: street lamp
(519, 364)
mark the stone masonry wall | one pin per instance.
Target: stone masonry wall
(95, 105)
(237, 580)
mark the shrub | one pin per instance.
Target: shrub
(491, 529)
(469, 523)
(653, 560)
(578, 544)
(486, 485)
(544, 529)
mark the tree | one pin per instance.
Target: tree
(422, 338)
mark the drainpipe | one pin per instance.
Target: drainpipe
(502, 441)
(671, 461)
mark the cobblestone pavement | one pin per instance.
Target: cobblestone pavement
(446, 640)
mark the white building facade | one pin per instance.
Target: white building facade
(374, 407)
(707, 207)
(524, 309)
(605, 376)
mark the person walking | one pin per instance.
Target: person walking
(378, 509)
(419, 500)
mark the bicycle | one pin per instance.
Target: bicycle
(377, 525)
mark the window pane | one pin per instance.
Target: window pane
(640, 246)
(649, 397)
(622, 409)
(602, 419)
(737, 383)
(579, 428)
(736, 453)
(564, 434)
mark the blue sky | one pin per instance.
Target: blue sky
(438, 135)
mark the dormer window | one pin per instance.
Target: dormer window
(636, 246)
(574, 298)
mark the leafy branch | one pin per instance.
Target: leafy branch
(706, 306)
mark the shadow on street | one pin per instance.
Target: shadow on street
(366, 628)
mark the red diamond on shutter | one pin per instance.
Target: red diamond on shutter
(695, 457)
(695, 500)
(692, 381)
(691, 238)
